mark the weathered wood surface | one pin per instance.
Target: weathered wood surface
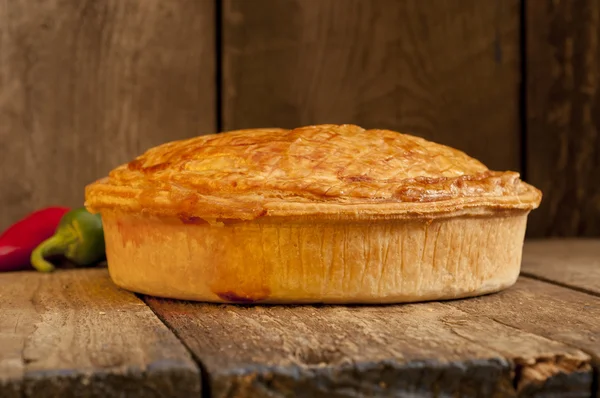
(574, 263)
(412, 350)
(87, 85)
(563, 144)
(555, 312)
(448, 72)
(74, 333)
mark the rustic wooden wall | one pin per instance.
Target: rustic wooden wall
(448, 72)
(563, 115)
(86, 85)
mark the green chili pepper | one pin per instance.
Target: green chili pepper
(79, 237)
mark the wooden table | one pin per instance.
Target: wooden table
(73, 333)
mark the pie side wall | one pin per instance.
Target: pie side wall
(330, 262)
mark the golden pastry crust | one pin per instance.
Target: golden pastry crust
(337, 171)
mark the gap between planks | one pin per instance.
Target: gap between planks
(551, 281)
(204, 379)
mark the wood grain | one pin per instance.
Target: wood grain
(86, 85)
(74, 333)
(570, 262)
(563, 101)
(17, 321)
(339, 351)
(448, 72)
(555, 312)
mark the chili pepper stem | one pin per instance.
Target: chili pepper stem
(57, 244)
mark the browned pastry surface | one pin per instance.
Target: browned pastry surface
(336, 170)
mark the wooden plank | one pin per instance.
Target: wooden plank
(448, 72)
(569, 262)
(334, 351)
(555, 312)
(15, 326)
(563, 144)
(74, 333)
(87, 85)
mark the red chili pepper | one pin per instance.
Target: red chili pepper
(19, 240)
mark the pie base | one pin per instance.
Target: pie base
(274, 260)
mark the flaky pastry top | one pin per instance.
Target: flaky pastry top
(323, 170)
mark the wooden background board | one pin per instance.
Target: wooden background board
(563, 149)
(335, 351)
(448, 73)
(74, 333)
(87, 85)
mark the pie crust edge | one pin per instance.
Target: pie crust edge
(248, 174)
